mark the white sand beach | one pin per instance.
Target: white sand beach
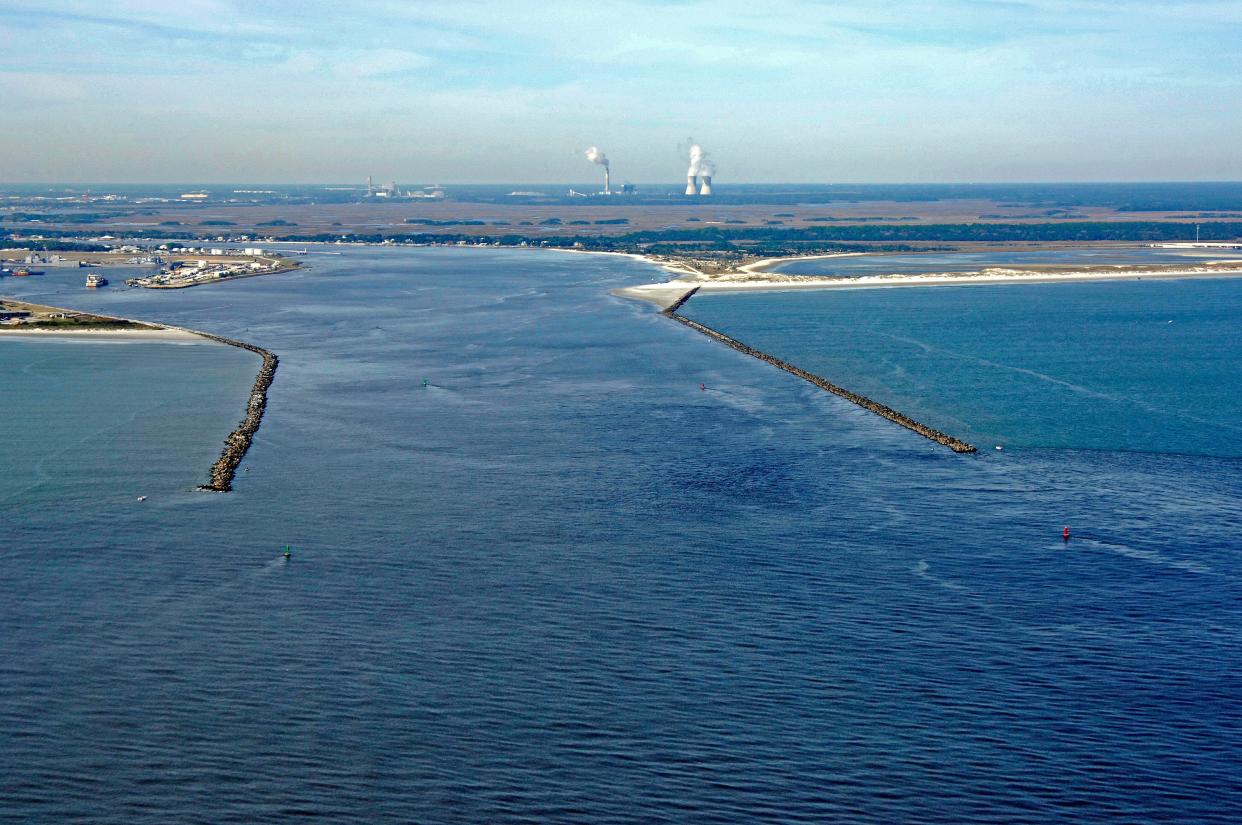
(751, 280)
(128, 334)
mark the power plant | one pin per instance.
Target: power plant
(698, 176)
(701, 170)
(596, 156)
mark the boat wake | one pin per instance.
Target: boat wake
(1150, 556)
(921, 570)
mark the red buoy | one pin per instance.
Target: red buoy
(703, 387)
(1065, 534)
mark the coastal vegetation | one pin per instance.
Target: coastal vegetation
(26, 316)
(83, 322)
(749, 239)
(53, 245)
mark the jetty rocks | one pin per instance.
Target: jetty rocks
(238, 441)
(949, 441)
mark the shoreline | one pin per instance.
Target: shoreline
(153, 333)
(667, 293)
(191, 283)
(668, 265)
(672, 295)
(990, 276)
(765, 264)
(238, 442)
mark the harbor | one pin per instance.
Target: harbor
(202, 271)
(177, 267)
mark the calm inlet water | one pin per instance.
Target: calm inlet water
(1129, 365)
(562, 584)
(78, 408)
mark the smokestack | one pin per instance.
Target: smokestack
(370, 187)
(706, 189)
(596, 156)
(690, 190)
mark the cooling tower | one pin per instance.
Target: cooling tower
(690, 190)
(706, 188)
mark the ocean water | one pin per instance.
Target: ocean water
(1147, 366)
(562, 583)
(78, 408)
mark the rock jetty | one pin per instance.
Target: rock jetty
(238, 441)
(949, 441)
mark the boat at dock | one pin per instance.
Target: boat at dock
(24, 273)
(95, 281)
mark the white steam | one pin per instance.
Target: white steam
(596, 156)
(701, 164)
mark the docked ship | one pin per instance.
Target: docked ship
(24, 273)
(94, 281)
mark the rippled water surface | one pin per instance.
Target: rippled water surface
(1147, 365)
(561, 583)
(73, 406)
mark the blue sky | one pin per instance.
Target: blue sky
(482, 91)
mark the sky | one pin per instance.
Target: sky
(485, 91)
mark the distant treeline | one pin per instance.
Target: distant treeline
(960, 232)
(776, 239)
(54, 217)
(54, 246)
(721, 237)
(545, 222)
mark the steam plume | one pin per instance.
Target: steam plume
(701, 167)
(596, 156)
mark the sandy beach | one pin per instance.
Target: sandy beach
(752, 278)
(129, 334)
(766, 263)
(671, 266)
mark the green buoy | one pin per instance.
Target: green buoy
(288, 552)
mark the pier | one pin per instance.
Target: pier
(881, 410)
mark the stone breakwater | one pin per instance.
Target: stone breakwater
(671, 309)
(238, 441)
(949, 441)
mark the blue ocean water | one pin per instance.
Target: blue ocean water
(1147, 365)
(563, 584)
(76, 408)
